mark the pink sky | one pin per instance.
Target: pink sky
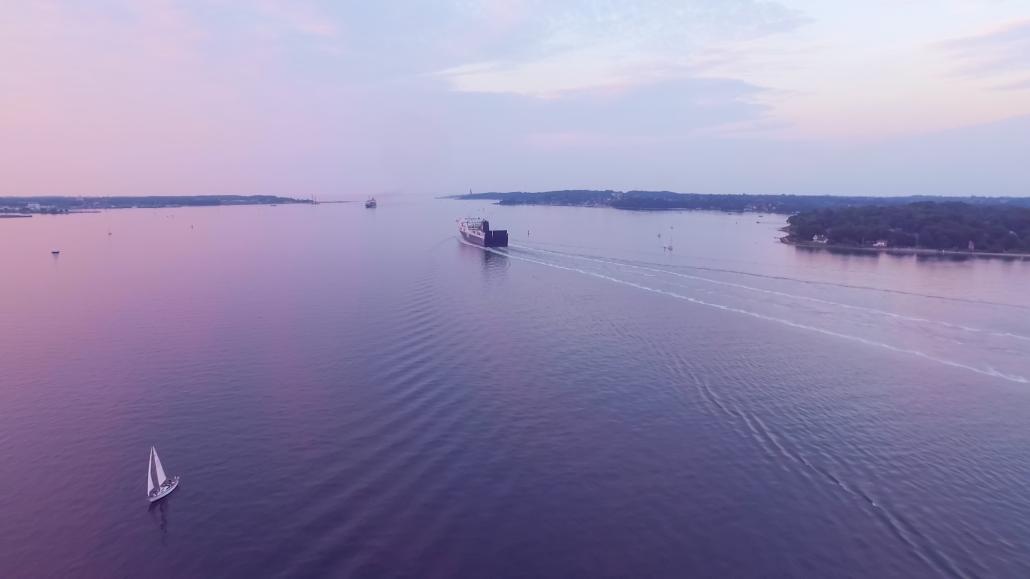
(118, 97)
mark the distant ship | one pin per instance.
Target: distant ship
(371, 203)
(477, 231)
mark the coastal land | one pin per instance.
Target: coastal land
(668, 200)
(59, 205)
(951, 228)
(923, 225)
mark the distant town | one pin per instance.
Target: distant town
(15, 206)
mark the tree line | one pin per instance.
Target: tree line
(659, 200)
(926, 224)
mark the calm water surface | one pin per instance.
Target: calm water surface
(355, 393)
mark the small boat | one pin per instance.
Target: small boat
(158, 485)
(55, 252)
(371, 203)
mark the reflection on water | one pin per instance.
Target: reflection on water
(926, 256)
(347, 401)
(838, 251)
(494, 260)
(159, 513)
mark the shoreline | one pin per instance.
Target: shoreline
(63, 205)
(616, 208)
(656, 209)
(905, 250)
(746, 202)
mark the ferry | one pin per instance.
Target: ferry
(371, 203)
(477, 231)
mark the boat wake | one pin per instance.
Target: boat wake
(984, 371)
(976, 349)
(798, 280)
(655, 270)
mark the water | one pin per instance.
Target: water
(354, 393)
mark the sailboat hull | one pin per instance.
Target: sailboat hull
(164, 491)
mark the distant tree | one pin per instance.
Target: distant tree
(926, 224)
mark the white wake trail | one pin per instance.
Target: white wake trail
(985, 372)
(787, 295)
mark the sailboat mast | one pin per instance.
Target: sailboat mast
(150, 472)
(158, 470)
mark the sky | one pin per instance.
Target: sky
(349, 98)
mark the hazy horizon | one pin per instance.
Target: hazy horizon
(339, 101)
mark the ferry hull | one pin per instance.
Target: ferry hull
(491, 239)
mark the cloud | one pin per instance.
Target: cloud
(552, 75)
(1016, 86)
(659, 110)
(1002, 51)
(165, 96)
(587, 43)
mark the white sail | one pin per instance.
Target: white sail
(161, 478)
(150, 472)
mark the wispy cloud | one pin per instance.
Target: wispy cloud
(660, 110)
(588, 44)
(301, 18)
(1018, 85)
(119, 96)
(1002, 51)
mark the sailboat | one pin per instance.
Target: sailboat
(158, 485)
